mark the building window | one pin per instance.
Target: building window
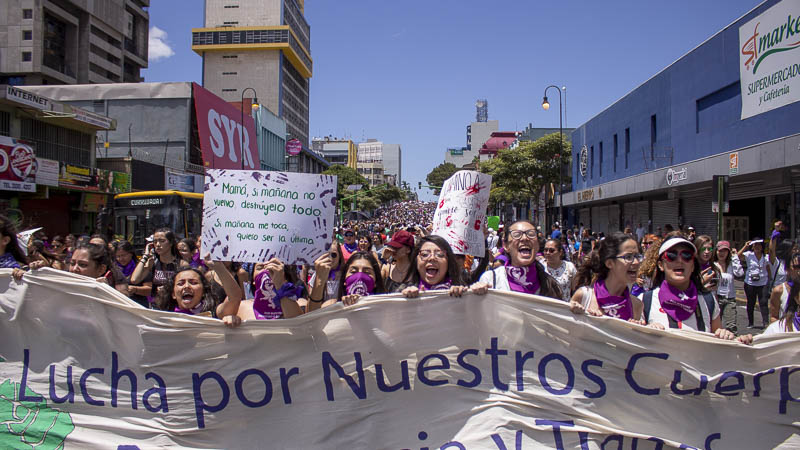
(231, 6)
(27, 35)
(600, 163)
(229, 73)
(27, 14)
(591, 161)
(616, 145)
(653, 137)
(26, 56)
(627, 145)
(230, 56)
(229, 90)
(230, 24)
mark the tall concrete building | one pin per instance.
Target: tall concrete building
(260, 44)
(392, 164)
(336, 151)
(380, 163)
(73, 41)
(477, 135)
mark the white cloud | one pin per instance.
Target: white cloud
(157, 46)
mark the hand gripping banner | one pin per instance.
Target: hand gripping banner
(84, 367)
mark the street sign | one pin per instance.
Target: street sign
(294, 147)
(733, 163)
(726, 207)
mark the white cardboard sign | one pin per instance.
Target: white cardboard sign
(461, 212)
(251, 215)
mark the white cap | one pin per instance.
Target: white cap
(490, 230)
(672, 242)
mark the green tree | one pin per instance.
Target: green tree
(345, 176)
(523, 172)
(440, 174)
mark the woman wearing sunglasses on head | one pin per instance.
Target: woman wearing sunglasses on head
(558, 267)
(523, 273)
(779, 298)
(755, 280)
(327, 273)
(647, 269)
(679, 299)
(605, 278)
(789, 321)
(436, 267)
(728, 267)
(361, 277)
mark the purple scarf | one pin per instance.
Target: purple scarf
(679, 305)
(127, 269)
(196, 310)
(705, 266)
(795, 322)
(7, 261)
(618, 306)
(359, 283)
(351, 248)
(446, 284)
(523, 279)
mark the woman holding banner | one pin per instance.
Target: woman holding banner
(779, 299)
(790, 319)
(276, 291)
(327, 273)
(679, 299)
(558, 267)
(11, 255)
(604, 280)
(523, 273)
(361, 276)
(397, 252)
(436, 267)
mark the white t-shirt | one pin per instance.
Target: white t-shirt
(776, 327)
(563, 275)
(778, 270)
(725, 287)
(756, 269)
(500, 280)
(331, 287)
(657, 315)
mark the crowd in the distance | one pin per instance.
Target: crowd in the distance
(670, 280)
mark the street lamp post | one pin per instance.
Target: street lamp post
(253, 106)
(546, 106)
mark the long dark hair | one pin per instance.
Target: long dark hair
(595, 266)
(791, 307)
(126, 246)
(8, 229)
(694, 277)
(454, 271)
(191, 244)
(166, 299)
(173, 242)
(376, 268)
(559, 246)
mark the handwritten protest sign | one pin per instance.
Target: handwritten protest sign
(82, 366)
(251, 216)
(461, 212)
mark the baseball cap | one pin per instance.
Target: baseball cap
(723, 244)
(669, 243)
(402, 238)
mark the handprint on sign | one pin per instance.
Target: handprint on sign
(25, 424)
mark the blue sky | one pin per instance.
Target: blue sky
(409, 71)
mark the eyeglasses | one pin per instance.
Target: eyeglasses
(547, 251)
(349, 235)
(647, 244)
(517, 234)
(426, 254)
(631, 257)
(672, 255)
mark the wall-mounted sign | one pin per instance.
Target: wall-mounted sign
(586, 195)
(47, 172)
(676, 176)
(768, 68)
(222, 135)
(583, 161)
(17, 166)
(29, 99)
(733, 163)
(294, 147)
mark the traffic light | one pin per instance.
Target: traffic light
(420, 184)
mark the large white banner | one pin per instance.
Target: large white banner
(84, 367)
(251, 215)
(461, 212)
(769, 61)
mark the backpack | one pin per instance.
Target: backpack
(647, 300)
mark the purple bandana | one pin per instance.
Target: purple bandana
(359, 283)
(618, 306)
(266, 305)
(196, 310)
(351, 248)
(127, 269)
(677, 304)
(446, 284)
(523, 279)
(705, 266)
(795, 322)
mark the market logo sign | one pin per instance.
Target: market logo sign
(676, 176)
(584, 161)
(768, 62)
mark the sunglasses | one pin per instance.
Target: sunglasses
(672, 255)
(647, 244)
(706, 249)
(547, 251)
(349, 235)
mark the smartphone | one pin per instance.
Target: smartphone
(109, 278)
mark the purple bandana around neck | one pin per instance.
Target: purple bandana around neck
(679, 305)
(795, 322)
(351, 248)
(705, 266)
(127, 269)
(618, 306)
(7, 261)
(196, 310)
(446, 284)
(359, 283)
(266, 305)
(523, 279)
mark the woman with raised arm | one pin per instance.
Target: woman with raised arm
(159, 262)
(523, 273)
(603, 282)
(325, 280)
(276, 290)
(756, 278)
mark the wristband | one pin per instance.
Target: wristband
(287, 290)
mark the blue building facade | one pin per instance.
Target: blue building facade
(649, 158)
